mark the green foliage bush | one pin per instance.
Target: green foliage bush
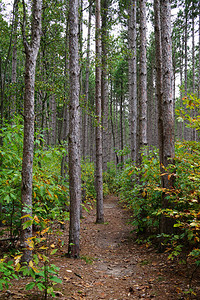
(140, 189)
(87, 178)
(50, 192)
(109, 182)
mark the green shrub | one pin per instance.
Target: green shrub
(139, 188)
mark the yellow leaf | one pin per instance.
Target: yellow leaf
(31, 264)
(26, 216)
(43, 248)
(45, 231)
(36, 219)
(32, 267)
(30, 244)
(39, 256)
(17, 267)
(130, 172)
(34, 194)
(163, 174)
(49, 194)
(35, 270)
(17, 259)
(144, 193)
(52, 246)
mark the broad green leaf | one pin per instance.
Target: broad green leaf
(30, 286)
(56, 279)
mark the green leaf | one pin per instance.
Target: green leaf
(40, 286)
(30, 286)
(56, 279)
(27, 224)
(53, 251)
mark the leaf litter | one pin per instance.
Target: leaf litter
(113, 265)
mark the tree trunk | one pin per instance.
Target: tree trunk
(199, 55)
(74, 134)
(14, 56)
(121, 124)
(167, 154)
(104, 82)
(3, 74)
(151, 110)
(31, 51)
(85, 116)
(133, 78)
(53, 118)
(182, 125)
(143, 78)
(158, 74)
(187, 130)
(193, 68)
(99, 175)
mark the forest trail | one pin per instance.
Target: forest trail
(114, 267)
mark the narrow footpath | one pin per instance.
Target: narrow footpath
(114, 267)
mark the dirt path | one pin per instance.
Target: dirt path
(112, 265)
(120, 269)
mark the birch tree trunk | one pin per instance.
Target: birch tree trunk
(74, 134)
(167, 154)
(99, 175)
(143, 78)
(31, 52)
(133, 78)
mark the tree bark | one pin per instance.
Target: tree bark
(99, 175)
(167, 154)
(182, 125)
(132, 33)
(85, 116)
(143, 79)
(158, 49)
(104, 82)
(74, 134)
(53, 119)
(121, 123)
(186, 129)
(31, 52)
(194, 135)
(14, 56)
(199, 55)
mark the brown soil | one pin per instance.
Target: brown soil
(112, 265)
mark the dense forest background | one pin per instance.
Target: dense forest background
(100, 97)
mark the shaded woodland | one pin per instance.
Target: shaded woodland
(98, 98)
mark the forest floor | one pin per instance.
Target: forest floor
(112, 265)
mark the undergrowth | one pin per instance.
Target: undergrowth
(140, 190)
